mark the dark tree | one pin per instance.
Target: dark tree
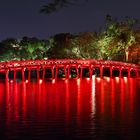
(56, 5)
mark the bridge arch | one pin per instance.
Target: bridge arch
(93, 66)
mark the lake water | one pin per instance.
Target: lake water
(94, 109)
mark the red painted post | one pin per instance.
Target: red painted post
(81, 72)
(38, 77)
(14, 75)
(43, 74)
(137, 73)
(90, 72)
(120, 72)
(129, 70)
(56, 72)
(53, 73)
(111, 71)
(77, 72)
(7, 75)
(65, 71)
(22, 71)
(101, 71)
(29, 75)
(68, 75)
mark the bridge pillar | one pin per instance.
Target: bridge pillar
(137, 73)
(129, 72)
(77, 71)
(65, 71)
(22, 71)
(52, 69)
(43, 74)
(101, 71)
(56, 73)
(90, 72)
(29, 75)
(111, 71)
(7, 75)
(14, 75)
(81, 72)
(120, 72)
(68, 74)
(37, 71)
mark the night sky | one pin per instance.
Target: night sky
(19, 18)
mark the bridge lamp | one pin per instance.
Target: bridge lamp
(107, 79)
(78, 82)
(40, 81)
(53, 81)
(117, 79)
(93, 76)
(98, 79)
(88, 79)
(11, 81)
(66, 81)
(125, 79)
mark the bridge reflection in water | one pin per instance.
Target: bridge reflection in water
(99, 108)
(42, 69)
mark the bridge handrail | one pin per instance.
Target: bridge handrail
(26, 63)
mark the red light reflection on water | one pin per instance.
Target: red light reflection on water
(102, 96)
(122, 97)
(112, 97)
(72, 104)
(2, 89)
(24, 96)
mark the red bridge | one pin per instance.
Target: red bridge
(67, 68)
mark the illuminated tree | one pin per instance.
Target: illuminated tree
(32, 48)
(117, 38)
(85, 46)
(9, 49)
(60, 46)
(82, 46)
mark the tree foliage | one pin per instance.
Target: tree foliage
(111, 43)
(61, 46)
(9, 49)
(32, 48)
(56, 5)
(117, 37)
(84, 45)
(27, 48)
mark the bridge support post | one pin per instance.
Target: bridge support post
(77, 71)
(137, 73)
(81, 72)
(65, 71)
(120, 72)
(111, 72)
(29, 75)
(37, 71)
(101, 71)
(22, 71)
(56, 73)
(52, 71)
(14, 75)
(7, 75)
(129, 70)
(90, 72)
(43, 74)
(68, 74)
